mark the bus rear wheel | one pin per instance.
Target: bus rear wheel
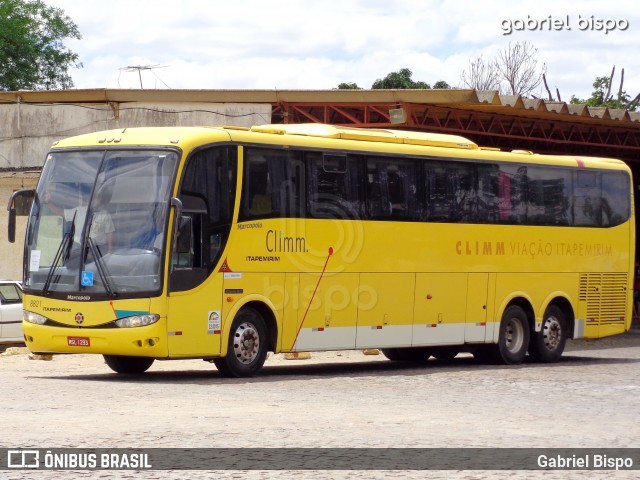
(247, 349)
(548, 344)
(513, 340)
(128, 365)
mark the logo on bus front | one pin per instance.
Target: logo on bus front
(79, 318)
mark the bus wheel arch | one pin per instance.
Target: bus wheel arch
(547, 344)
(248, 342)
(270, 322)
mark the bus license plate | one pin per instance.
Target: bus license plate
(78, 341)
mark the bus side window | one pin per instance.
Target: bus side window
(293, 189)
(615, 198)
(451, 193)
(183, 257)
(511, 191)
(258, 184)
(548, 196)
(334, 186)
(207, 193)
(266, 184)
(586, 199)
(488, 193)
(392, 191)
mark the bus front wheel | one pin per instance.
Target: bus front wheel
(513, 340)
(548, 344)
(247, 349)
(128, 365)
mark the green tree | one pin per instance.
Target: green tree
(602, 96)
(348, 86)
(398, 80)
(32, 52)
(441, 84)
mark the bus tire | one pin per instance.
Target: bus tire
(391, 354)
(247, 349)
(410, 354)
(485, 354)
(128, 365)
(446, 354)
(513, 340)
(548, 344)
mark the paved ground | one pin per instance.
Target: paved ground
(338, 399)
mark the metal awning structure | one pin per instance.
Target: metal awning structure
(492, 120)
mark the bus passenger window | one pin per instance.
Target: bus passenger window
(488, 186)
(260, 198)
(615, 198)
(334, 186)
(392, 189)
(264, 186)
(451, 194)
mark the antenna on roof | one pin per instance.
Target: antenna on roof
(139, 68)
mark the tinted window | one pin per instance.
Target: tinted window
(274, 184)
(451, 192)
(210, 175)
(615, 198)
(488, 193)
(548, 195)
(334, 185)
(208, 195)
(392, 191)
(512, 188)
(281, 182)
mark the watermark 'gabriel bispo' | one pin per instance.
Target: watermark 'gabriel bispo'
(584, 462)
(552, 23)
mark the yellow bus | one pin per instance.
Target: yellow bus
(225, 243)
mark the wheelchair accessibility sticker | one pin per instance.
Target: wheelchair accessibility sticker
(87, 279)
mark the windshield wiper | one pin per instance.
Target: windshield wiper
(100, 266)
(64, 249)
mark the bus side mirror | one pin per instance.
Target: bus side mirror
(11, 233)
(19, 195)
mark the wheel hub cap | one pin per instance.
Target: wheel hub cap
(514, 336)
(552, 333)
(246, 343)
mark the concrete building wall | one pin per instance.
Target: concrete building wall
(28, 130)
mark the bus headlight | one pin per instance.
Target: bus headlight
(31, 317)
(137, 320)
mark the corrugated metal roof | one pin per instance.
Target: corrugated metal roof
(484, 101)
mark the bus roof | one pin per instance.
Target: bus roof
(452, 146)
(368, 134)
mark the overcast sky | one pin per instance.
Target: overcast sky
(314, 44)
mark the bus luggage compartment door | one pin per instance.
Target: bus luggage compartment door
(476, 315)
(385, 310)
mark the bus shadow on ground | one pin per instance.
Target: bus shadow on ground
(328, 370)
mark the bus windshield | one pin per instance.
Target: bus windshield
(98, 222)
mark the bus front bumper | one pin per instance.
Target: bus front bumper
(146, 341)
